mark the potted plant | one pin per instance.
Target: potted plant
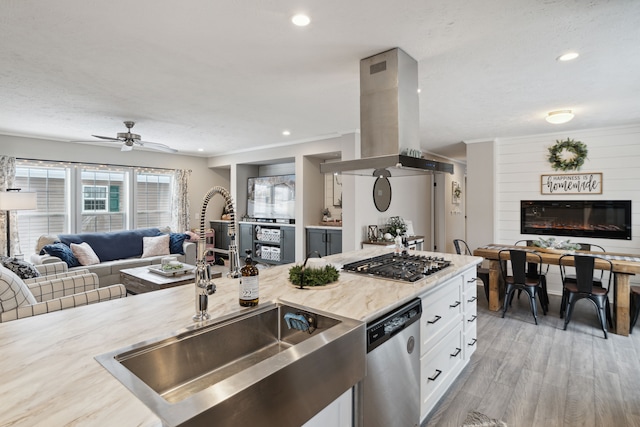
(395, 225)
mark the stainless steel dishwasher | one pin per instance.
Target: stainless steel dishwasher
(389, 395)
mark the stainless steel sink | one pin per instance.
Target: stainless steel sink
(245, 369)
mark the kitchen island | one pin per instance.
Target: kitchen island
(50, 376)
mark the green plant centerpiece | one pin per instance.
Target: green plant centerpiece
(567, 155)
(551, 243)
(395, 224)
(313, 276)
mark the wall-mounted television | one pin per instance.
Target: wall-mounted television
(272, 198)
(605, 219)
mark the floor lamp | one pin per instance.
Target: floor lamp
(13, 200)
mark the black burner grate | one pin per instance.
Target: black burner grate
(404, 267)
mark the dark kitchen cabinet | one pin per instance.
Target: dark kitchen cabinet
(324, 241)
(269, 243)
(221, 239)
(221, 229)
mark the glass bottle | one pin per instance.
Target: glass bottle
(248, 282)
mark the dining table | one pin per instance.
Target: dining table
(623, 267)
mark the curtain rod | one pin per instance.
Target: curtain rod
(97, 164)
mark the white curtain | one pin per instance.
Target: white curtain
(180, 202)
(7, 177)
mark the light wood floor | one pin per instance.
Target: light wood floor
(528, 375)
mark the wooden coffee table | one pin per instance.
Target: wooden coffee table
(140, 280)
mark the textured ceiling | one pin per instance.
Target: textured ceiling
(229, 76)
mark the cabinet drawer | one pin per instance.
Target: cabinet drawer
(439, 310)
(470, 316)
(470, 340)
(469, 299)
(469, 280)
(439, 367)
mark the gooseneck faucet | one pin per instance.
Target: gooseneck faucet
(204, 283)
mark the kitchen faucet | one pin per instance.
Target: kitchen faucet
(204, 283)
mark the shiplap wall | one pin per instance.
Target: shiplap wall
(614, 152)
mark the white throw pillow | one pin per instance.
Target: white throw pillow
(84, 253)
(154, 246)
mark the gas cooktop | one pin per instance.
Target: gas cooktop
(403, 267)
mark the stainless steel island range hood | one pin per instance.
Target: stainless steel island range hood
(389, 120)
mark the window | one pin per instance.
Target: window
(154, 199)
(94, 198)
(77, 198)
(97, 213)
(52, 213)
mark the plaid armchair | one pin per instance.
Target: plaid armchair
(57, 289)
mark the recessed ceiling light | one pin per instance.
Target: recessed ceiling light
(559, 116)
(301, 20)
(286, 132)
(200, 149)
(569, 56)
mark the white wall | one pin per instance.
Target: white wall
(410, 199)
(519, 162)
(201, 180)
(480, 193)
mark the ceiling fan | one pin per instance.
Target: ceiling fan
(129, 140)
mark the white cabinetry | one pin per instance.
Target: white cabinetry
(470, 311)
(447, 336)
(337, 414)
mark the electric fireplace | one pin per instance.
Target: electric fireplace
(605, 219)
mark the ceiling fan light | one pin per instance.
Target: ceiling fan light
(569, 56)
(301, 20)
(559, 116)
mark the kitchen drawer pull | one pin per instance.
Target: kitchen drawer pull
(431, 322)
(455, 305)
(473, 319)
(472, 299)
(458, 350)
(438, 372)
(473, 342)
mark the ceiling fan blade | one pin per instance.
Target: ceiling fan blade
(106, 137)
(156, 146)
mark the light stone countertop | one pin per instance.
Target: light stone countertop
(49, 374)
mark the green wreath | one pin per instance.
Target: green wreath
(558, 155)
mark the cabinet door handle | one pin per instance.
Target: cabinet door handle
(434, 320)
(472, 280)
(472, 299)
(473, 342)
(431, 322)
(473, 319)
(456, 353)
(455, 305)
(437, 374)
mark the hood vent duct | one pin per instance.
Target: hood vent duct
(389, 120)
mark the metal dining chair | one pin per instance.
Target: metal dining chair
(483, 273)
(597, 279)
(584, 287)
(519, 280)
(635, 306)
(533, 271)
